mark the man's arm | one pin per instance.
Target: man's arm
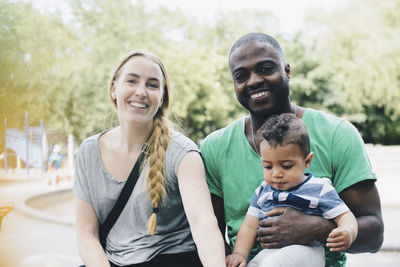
(363, 200)
(218, 205)
(288, 226)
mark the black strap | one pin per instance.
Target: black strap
(122, 200)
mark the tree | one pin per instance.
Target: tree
(360, 42)
(33, 64)
(347, 67)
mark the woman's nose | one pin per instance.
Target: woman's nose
(140, 90)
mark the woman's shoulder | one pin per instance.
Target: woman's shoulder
(92, 142)
(89, 142)
(180, 141)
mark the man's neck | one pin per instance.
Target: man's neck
(258, 120)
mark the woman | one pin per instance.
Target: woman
(169, 213)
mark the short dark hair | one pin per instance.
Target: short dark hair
(255, 36)
(285, 129)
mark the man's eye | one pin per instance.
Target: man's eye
(240, 77)
(266, 69)
(268, 167)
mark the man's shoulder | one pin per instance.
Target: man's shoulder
(319, 115)
(223, 134)
(320, 120)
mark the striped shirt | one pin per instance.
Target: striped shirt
(315, 196)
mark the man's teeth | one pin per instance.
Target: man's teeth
(137, 105)
(259, 94)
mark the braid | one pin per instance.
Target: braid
(158, 141)
(158, 144)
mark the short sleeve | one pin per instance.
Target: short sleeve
(81, 185)
(255, 210)
(330, 204)
(208, 153)
(178, 147)
(350, 159)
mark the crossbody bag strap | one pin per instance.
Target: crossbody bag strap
(122, 200)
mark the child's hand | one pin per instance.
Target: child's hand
(340, 239)
(235, 260)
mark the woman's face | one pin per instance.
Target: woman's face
(138, 90)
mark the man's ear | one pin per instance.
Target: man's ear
(309, 159)
(287, 70)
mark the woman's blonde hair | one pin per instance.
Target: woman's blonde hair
(158, 140)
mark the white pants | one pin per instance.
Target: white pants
(290, 256)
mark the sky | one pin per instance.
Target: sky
(290, 13)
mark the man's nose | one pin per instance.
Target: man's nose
(254, 79)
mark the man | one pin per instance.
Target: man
(261, 82)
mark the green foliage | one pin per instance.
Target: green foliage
(312, 82)
(35, 51)
(360, 42)
(58, 69)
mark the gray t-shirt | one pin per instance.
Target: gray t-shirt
(128, 241)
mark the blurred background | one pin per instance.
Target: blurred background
(56, 57)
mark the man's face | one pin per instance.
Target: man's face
(260, 79)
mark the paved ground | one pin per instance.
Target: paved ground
(27, 241)
(46, 238)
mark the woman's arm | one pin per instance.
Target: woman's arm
(218, 205)
(87, 232)
(199, 211)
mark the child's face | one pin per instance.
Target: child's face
(283, 166)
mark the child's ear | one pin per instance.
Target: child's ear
(309, 159)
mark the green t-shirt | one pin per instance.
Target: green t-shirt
(234, 170)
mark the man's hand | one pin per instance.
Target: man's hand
(287, 226)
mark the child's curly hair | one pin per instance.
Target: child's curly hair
(285, 129)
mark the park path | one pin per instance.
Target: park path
(27, 241)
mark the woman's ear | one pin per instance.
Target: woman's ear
(113, 92)
(309, 159)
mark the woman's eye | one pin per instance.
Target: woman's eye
(131, 81)
(153, 85)
(268, 167)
